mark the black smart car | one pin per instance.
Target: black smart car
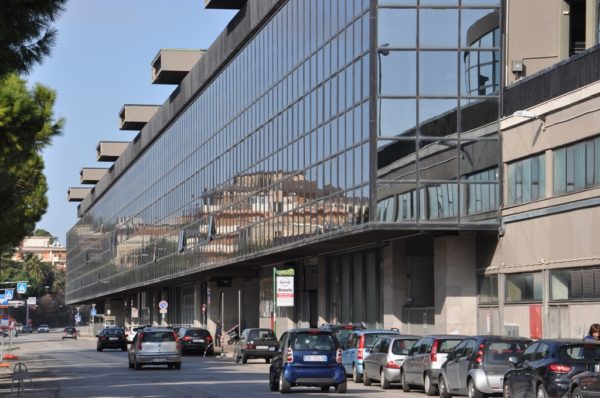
(196, 340)
(111, 337)
(547, 366)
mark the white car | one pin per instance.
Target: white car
(43, 328)
(131, 331)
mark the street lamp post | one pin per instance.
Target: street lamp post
(385, 52)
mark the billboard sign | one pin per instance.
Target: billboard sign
(285, 291)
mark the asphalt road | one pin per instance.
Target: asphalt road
(73, 368)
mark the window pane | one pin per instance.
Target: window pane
(398, 73)
(397, 28)
(438, 28)
(438, 73)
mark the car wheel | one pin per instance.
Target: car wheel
(244, 358)
(541, 392)
(237, 359)
(577, 393)
(268, 360)
(356, 377)
(324, 388)
(273, 386)
(366, 378)
(444, 393)
(385, 383)
(98, 348)
(405, 385)
(137, 365)
(178, 365)
(341, 388)
(430, 389)
(506, 391)
(284, 386)
(472, 390)
(170, 365)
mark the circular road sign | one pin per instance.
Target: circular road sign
(163, 305)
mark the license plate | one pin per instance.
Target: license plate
(315, 358)
(261, 347)
(159, 360)
(198, 341)
(113, 338)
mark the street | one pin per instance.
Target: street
(73, 368)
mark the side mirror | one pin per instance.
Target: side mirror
(513, 360)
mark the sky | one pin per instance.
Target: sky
(101, 61)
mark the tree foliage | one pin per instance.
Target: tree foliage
(26, 35)
(27, 125)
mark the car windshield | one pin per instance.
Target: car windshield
(156, 337)
(314, 341)
(445, 346)
(371, 338)
(113, 332)
(196, 333)
(342, 334)
(401, 347)
(581, 353)
(500, 351)
(261, 334)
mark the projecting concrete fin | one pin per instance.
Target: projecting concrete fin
(171, 66)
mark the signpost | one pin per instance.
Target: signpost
(283, 291)
(163, 305)
(21, 287)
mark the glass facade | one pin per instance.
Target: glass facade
(275, 150)
(279, 148)
(438, 84)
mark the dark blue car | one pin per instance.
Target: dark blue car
(546, 367)
(307, 357)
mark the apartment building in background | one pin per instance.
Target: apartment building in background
(43, 247)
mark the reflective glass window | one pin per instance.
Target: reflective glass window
(438, 28)
(397, 28)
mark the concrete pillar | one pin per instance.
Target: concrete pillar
(393, 289)
(322, 289)
(455, 284)
(117, 309)
(198, 313)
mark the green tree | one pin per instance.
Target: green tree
(27, 125)
(26, 35)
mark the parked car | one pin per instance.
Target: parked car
(342, 331)
(357, 347)
(111, 337)
(421, 368)
(196, 339)
(43, 328)
(385, 358)
(476, 366)
(585, 384)
(69, 333)
(307, 357)
(547, 366)
(155, 346)
(27, 329)
(257, 343)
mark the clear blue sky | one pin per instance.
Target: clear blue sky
(101, 61)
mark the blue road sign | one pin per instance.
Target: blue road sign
(8, 294)
(93, 312)
(21, 287)
(77, 318)
(3, 299)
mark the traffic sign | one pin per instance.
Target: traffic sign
(77, 318)
(8, 293)
(163, 310)
(163, 305)
(21, 287)
(3, 299)
(93, 312)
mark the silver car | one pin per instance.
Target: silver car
(155, 346)
(421, 368)
(385, 358)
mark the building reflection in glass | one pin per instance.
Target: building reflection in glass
(438, 149)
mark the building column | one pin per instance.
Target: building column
(322, 290)
(393, 284)
(455, 284)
